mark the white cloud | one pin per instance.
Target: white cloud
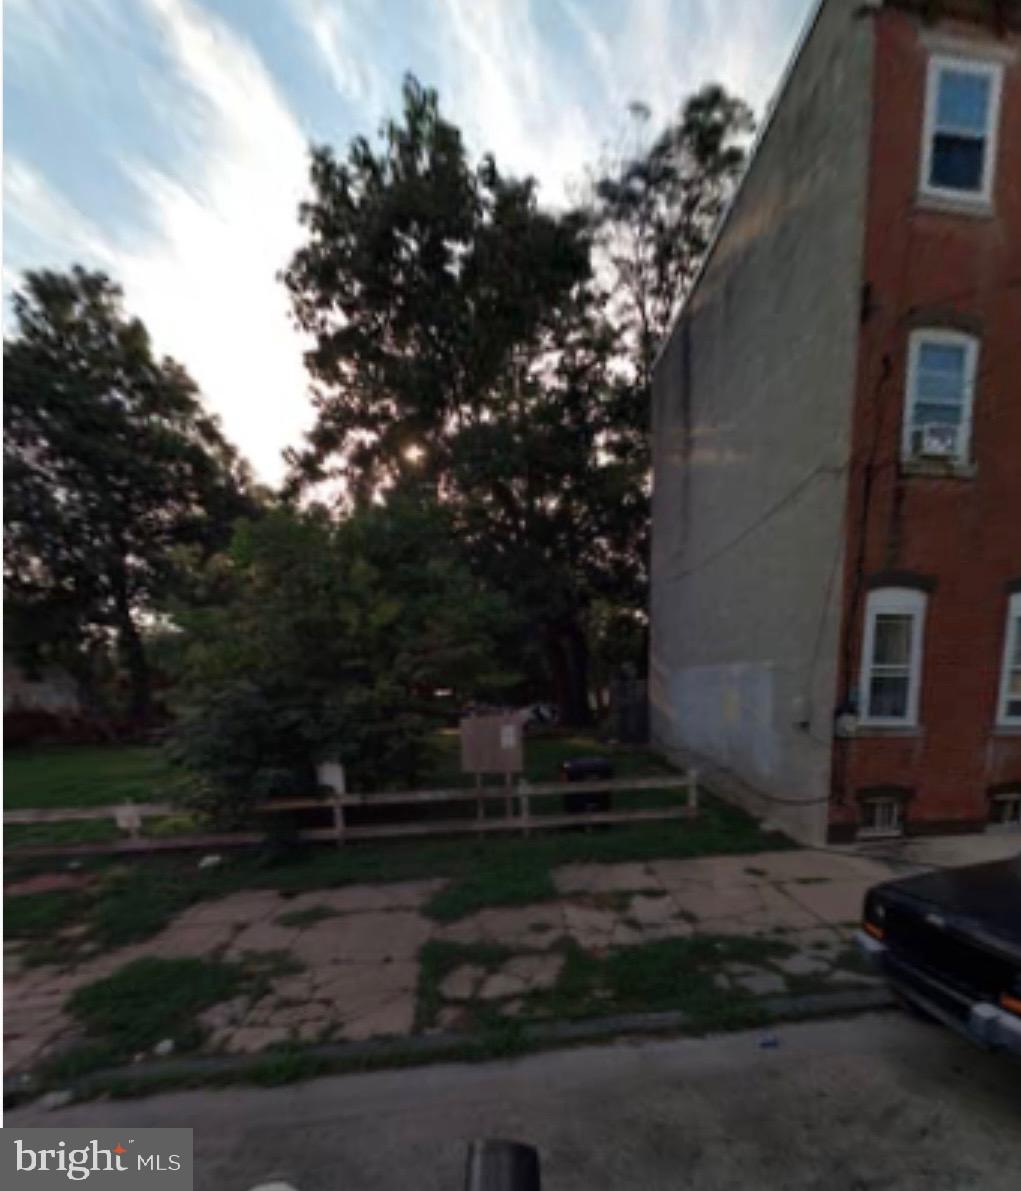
(223, 220)
(544, 89)
(341, 33)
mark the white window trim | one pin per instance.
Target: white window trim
(893, 601)
(865, 831)
(948, 338)
(1009, 645)
(994, 71)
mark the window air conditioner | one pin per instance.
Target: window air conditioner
(935, 441)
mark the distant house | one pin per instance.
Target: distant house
(51, 690)
(836, 564)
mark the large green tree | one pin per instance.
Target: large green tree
(329, 640)
(459, 342)
(656, 208)
(112, 469)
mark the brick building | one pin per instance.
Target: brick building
(836, 570)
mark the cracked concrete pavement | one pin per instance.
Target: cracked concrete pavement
(358, 947)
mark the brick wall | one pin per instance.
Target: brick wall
(927, 267)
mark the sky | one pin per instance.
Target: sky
(165, 141)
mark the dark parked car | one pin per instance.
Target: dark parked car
(950, 944)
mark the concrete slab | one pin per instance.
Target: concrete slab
(393, 1018)
(834, 902)
(761, 984)
(462, 983)
(602, 878)
(376, 935)
(536, 971)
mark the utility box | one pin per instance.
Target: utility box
(492, 744)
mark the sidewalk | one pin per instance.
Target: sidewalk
(365, 961)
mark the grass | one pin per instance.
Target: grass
(151, 999)
(133, 899)
(91, 775)
(667, 974)
(36, 916)
(309, 917)
(437, 959)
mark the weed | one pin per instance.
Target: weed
(499, 884)
(437, 960)
(151, 999)
(39, 915)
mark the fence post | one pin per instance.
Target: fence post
(129, 820)
(692, 792)
(333, 775)
(526, 806)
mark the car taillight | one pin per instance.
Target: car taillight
(873, 916)
(1011, 1002)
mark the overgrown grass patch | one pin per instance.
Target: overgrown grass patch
(37, 916)
(92, 775)
(668, 974)
(151, 999)
(437, 959)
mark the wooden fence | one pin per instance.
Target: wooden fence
(518, 801)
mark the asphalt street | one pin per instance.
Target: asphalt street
(875, 1102)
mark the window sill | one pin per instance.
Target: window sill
(938, 469)
(949, 204)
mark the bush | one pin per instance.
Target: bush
(325, 638)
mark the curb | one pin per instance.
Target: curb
(341, 1057)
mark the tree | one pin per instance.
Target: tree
(111, 466)
(459, 344)
(330, 641)
(657, 208)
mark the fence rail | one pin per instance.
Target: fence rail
(519, 815)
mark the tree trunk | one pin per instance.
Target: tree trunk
(567, 650)
(132, 653)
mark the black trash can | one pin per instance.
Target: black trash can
(587, 769)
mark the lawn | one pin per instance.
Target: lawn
(86, 776)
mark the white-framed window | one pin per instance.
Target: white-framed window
(891, 665)
(1005, 811)
(962, 109)
(881, 815)
(1009, 709)
(940, 383)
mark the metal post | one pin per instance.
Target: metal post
(502, 1166)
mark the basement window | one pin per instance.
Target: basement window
(1005, 811)
(881, 816)
(892, 657)
(940, 387)
(1009, 714)
(961, 116)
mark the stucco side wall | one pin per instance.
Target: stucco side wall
(751, 425)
